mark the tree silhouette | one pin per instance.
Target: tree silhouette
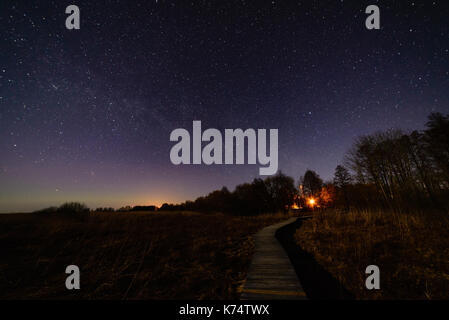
(342, 179)
(311, 183)
(437, 139)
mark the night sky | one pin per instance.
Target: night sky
(86, 115)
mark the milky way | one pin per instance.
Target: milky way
(86, 114)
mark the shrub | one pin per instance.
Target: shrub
(74, 209)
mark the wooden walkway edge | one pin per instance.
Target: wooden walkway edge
(271, 275)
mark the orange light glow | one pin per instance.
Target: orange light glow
(311, 202)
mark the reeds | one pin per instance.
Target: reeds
(410, 248)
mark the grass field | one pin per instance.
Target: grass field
(410, 249)
(127, 255)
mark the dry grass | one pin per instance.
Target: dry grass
(411, 250)
(127, 255)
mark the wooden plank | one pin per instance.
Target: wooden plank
(271, 275)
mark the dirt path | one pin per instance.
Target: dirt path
(271, 275)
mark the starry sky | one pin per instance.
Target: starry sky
(86, 115)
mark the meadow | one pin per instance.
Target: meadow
(411, 250)
(132, 255)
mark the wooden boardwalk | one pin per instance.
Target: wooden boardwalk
(271, 275)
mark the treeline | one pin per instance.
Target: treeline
(392, 169)
(273, 194)
(127, 209)
(398, 170)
